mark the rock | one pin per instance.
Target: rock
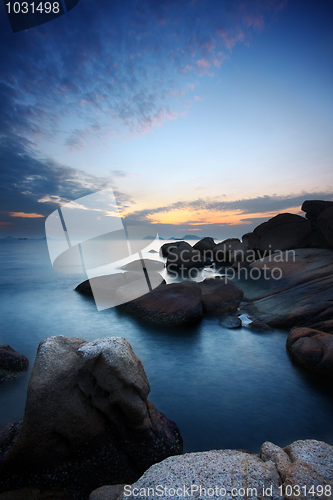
(324, 326)
(167, 247)
(12, 360)
(138, 288)
(304, 463)
(221, 250)
(138, 265)
(219, 295)
(169, 305)
(205, 247)
(315, 207)
(325, 223)
(258, 326)
(152, 251)
(8, 435)
(184, 256)
(295, 288)
(110, 492)
(230, 322)
(222, 473)
(107, 283)
(87, 420)
(241, 253)
(105, 288)
(282, 232)
(312, 349)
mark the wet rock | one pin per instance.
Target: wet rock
(258, 326)
(138, 265)
(12, 360)
(87, 402)
(169, 305)
(230, 322)
(282, 232)
(109, 492)
(312, 349)
(108, 289)
(219, 295)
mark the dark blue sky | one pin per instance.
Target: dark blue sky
(203, 116)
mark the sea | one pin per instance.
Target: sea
(223, 388)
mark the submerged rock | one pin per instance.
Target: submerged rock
(138, 265)
(230, 322)
(87, 420)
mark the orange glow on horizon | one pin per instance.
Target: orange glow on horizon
(23, 215)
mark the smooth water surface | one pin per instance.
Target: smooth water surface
(223, 388)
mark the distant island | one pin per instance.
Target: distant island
(186, 237)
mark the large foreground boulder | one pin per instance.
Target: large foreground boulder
(312, 349)
(273, 474)
(282, 232)
(87, 420)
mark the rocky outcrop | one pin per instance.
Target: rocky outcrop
(312, 349)
(11, 363)
(87, 420)
(274, 473)
(320, 215)
(289, 289)
(282, 232)
(184, 303)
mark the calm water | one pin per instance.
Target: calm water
(223, 388)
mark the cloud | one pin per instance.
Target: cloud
(32, 188)
(260, 204)
(117, 69)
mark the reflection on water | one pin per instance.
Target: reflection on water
(223, 388)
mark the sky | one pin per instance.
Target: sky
(205, 117)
